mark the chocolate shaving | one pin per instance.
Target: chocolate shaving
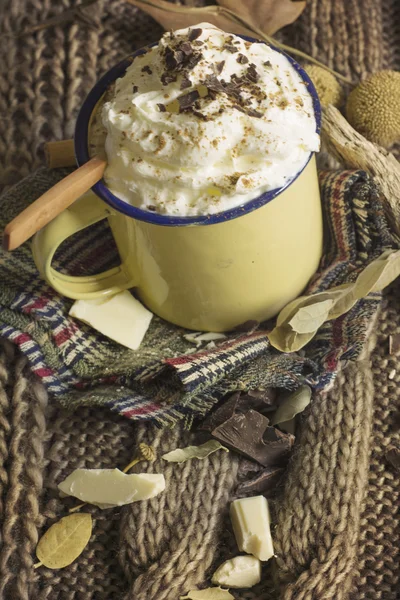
(185, 83)
(186, 48)
(242, 59)
(187, 100)
(146, 69)
(392, 455)
(162, 107)
(264, 483)
(194, 34)
(151, 207)
(268, 63)
(251, 73)
(230, 48)
(135, 89)
(250, 435)
(200, 115)
(182, 57)
(254, 113)
(167, 78)
(219, 66)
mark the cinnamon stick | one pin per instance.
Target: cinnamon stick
(52, 203)
(60, 154)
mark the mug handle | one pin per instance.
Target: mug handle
(86, 211)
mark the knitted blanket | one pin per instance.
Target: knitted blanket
(336, 530)
(166, 380)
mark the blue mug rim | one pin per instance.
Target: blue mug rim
(81, 144)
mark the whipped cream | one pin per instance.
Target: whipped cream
(206, 121)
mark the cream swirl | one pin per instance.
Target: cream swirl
(206, 121)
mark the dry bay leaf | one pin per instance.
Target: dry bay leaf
(183, 454)
(292, 322)
(268, 16)
(213, 593)
(64, 541)
(309, 318)
(292, 404)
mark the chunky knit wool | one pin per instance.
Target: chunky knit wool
(337, 533)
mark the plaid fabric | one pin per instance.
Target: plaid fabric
(167, 379)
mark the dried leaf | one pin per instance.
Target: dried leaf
(309, 318)
(183, 454)
(64, 541)
(213, 593)
(300, 320)
(292, 404)
(268, 16)
(107, 488)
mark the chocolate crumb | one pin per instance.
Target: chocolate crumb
(151, 207)
(146, 69)
(161, 107)
(198, 43)
(135, 89)
(242, 59)
(194, 34)
(268, 63)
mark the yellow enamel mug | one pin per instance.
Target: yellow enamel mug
(208, 273)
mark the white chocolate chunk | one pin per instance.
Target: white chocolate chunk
(106, 488)
(251, 525)
(238, 572)
(121, 317)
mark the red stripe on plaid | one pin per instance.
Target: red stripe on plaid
(141, 410)
(43, 372)
(35, 305)
(64, 335)
(22, 338)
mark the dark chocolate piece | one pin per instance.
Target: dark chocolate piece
(151, 207)
(268, 63)
(194, 34)
(147, 69)
(242, 59)
(250, 435)
(260, 400)
(161, 107)
(135, 89)
(392, 455)
(264, 482)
